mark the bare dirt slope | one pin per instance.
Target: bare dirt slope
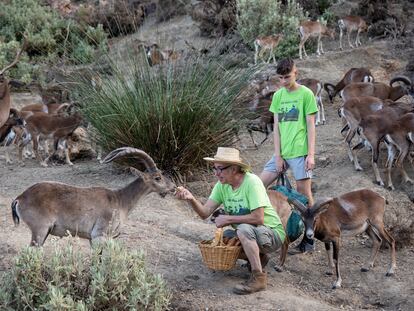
(168, 231)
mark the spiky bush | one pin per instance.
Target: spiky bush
(176, 113)
(266, 17)
(109, 278)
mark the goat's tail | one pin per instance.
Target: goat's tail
(16, 218)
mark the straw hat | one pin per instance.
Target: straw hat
(228, 155)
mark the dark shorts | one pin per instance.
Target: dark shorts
(267, 240)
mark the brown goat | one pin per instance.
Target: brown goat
(56, 208)
(350, 24)
(349, 214)
(380, 90)
(309, 29)
(352, 75)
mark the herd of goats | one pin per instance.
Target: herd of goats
(370, 110)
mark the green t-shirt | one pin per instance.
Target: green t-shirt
(292, 109)
(250, 195)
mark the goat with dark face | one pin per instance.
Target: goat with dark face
(349, 214)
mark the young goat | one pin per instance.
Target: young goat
(58, 127)
(264, 43)
(57, 208)
(309, 29)
(350, 24)
(349, 214)
(351, 76)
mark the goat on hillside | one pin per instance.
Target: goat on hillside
(352, 75)
(57, 208)
(350, 24)
(309, 29)
(349, 214)
(264, 43)
(379, 89)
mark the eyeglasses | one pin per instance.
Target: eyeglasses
(220, 169)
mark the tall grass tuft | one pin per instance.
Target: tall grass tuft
(177, 113)
(109, 278)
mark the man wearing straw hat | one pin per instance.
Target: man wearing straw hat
(248, 210)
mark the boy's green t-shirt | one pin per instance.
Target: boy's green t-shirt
(292, 109)
(250, 195)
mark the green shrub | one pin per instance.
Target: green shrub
(176, 113)
(266, 17)
(109, 278)
(49, 35)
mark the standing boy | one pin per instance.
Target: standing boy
(294, 107)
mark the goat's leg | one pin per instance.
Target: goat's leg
(376, 243)
(329, 254)
(99, 230)
(336, 246)
(322, 51)
(256, 48)
(39, 235)
(349, 38)
(390, 240)
(388, 165)
(67, 153)
(374, 161)
(404, 148)
(318, 52)
(282, 258)
(341, 33)
(322, 109)
(36, 151)
(357, 40)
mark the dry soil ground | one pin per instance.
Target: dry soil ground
(168, 231)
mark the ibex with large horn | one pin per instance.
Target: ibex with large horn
(57, 208)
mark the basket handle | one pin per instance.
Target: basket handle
(218, 237)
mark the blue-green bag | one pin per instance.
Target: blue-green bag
(295, 226)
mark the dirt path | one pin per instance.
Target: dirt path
(168, 231)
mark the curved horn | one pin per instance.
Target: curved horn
(404, 79)
(299, 205)
(16, 59)
(129, 151)
(63, 107)
(318, 207)
(327, 87)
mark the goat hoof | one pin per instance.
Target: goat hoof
(328, 273)
(364, 269)
(335, 286)
(278, 268)
(389, 273)
(391, 187)
(359, 169)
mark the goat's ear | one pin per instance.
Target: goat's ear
(16, 83)
(321, 206)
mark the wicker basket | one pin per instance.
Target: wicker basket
(219, 257)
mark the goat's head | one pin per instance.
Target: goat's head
(310, 215)
(408, 87)
(330, 89)
(153, 178)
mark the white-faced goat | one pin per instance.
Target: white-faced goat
(57, 208)
(379, 89)
(352, 75)
(349, 214)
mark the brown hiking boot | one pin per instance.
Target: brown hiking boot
(256, 283)
(264, 259)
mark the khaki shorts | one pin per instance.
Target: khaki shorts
(265, 237)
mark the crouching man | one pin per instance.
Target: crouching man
(249, 210)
